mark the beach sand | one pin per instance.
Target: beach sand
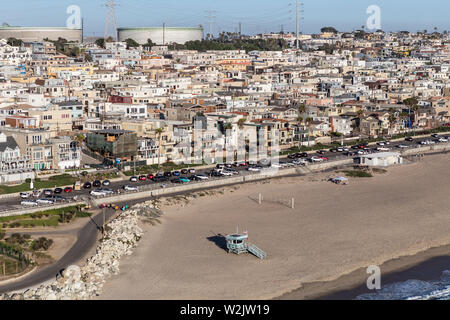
(333, 231)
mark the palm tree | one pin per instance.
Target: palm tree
(159, 133)
(360, 114)
(299, 123)
(308, 122)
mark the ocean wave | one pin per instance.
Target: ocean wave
(413, 290)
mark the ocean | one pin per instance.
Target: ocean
(413, 290)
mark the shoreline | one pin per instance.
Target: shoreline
(426, 265)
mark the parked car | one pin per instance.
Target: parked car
(25, 195)
(300, 162)
(255, 168)
(215, 173)
(321, 151)
(87, 185)
(233, 172)
(167, 174)
(226, 173)
(184, 171)
(97, 193)
(191, 170)
(58, 191)
(316, 159)
(443, 139)
(302, 155)
(323, 158)
(97, 183)
(45, 201)
(199, 177)
(334, 150)
(106, 183)
(355, 147)
(37, 193)
(134, 179)
(435, 135)
(142, 178)
(106, 190)
(57, 198)
(402, 146)
(67, 189)
(176, 173)
(29, 203)
(160, 178)
(150, 176)
(130, 188)
(48, 192)
(180, 180)
(410, 139)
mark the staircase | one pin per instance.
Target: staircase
(256, 251)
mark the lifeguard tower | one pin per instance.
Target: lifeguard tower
(238, 243)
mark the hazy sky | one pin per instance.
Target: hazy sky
(255, 15)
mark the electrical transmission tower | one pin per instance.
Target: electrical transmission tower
(211, 17)
(110, 19)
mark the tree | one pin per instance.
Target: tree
(149, 44)
(131, 43)
(159, 133)
(15, 42)
(100, 42)
(360, 114)
(309, 123)
(328, 29)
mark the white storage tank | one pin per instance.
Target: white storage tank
(160, 35)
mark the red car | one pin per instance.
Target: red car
(150, 176)
(323, 158)
(142, 178)
(67, 189)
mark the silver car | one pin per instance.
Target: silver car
(29, 203)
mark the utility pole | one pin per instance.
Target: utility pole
(103, 225)
(164, 33)
(240, 30)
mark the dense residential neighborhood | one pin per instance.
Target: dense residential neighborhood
(123, 104)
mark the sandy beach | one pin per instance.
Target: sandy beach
(333, 231)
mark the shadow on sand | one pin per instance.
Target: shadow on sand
(219, 240)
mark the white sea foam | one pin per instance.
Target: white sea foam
(413, 290)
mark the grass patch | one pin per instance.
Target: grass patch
(358, 174)
(46, 218)
(60, 180)
(379, 170)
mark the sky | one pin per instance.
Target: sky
(256, 16)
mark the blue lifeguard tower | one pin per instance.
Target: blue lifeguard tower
(238, 243)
